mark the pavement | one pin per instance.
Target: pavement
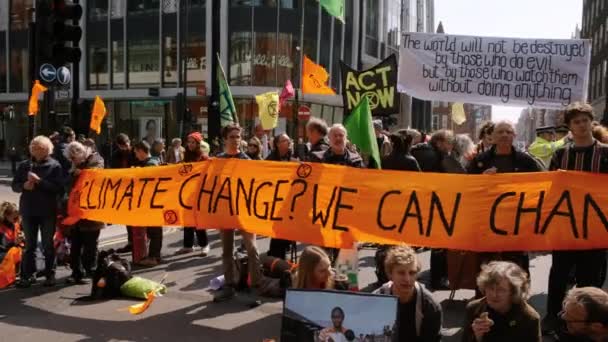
(186, 312)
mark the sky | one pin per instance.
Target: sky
(514, 18)
(363, 314)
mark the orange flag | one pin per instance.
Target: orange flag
(137, 309)
(314, 79)
(37, 89)
(97, 114)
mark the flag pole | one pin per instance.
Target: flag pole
(296, 108)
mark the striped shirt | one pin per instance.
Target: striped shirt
(592, 158)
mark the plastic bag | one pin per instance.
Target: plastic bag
(138, 287)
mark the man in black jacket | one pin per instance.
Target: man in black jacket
(316, 131)
(66, 136)
(338, 154)
(40, 181)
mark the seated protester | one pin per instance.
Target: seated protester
(503, 314)
(420, 315)
(10, 231)
(585, 313)
(313, 272)
(502, 157)
(400, 157)
(338, 153)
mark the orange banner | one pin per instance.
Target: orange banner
(334, 206)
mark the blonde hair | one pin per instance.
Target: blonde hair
(310, 258)
(7, 208)
(338, 127)
(495, 271)
(400, 255)
(43, 142)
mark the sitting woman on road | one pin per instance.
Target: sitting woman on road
(84, 234)
(10, 230)
(313, 270)
(503, 314)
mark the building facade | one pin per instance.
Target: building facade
(135, 52)
(595, 28)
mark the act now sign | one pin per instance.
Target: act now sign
(379, 84)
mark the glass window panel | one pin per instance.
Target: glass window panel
(241, 37)
(325, 39)
(18, 51)
(144, 68)
(97, 44)
(169, 43)
(338, 115)
(372, 18)
(311, 19)
(265, 44)
(117, 15)
(336, 58)
(289, 35)
(348, 43)
(3, 85)
(197, 43)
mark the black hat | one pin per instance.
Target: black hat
(562, 129)
(545, 129)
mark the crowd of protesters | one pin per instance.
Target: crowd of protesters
(500, 311)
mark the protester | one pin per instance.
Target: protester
(155, 234)
(316, 131)
(545, 145)
(232, 142)
(260, 133)
(40, 181)
(65, 137)
(123, 157)
(585, 312)
(176, 152)
(158, 151)
(282, 151)
(254, 149)
(485, 137)
(194, 153)
(400, 157)
(84, 235)
(338, 154)
(600, 133)
(90, 143)
(584, 154)
(420, 315)
(384, 143)
(10, 228)
(416, 137)
(461, 155)
(430, 157)
(314, 270)
(503, 314)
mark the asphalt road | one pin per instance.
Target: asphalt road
(186, 312)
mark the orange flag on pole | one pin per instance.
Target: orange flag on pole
(314, 79)
(37, 89)
(97, 114)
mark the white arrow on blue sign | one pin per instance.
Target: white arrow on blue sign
(64, 76)
(48, 73)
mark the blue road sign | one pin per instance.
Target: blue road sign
(48, 73)
(64, 76)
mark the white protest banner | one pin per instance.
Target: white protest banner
(547, 73)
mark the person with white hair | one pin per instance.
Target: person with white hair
(85, 233)
(40, 181)
(337, 153)
(384, 143)
(503, 157)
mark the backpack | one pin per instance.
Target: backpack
(111, 273)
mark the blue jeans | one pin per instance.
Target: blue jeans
(31, 225)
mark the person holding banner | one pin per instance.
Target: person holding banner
(384, 143)
(282, 151)
(485, 137)
(122, 158)
(337, 153)
(316, 131)
(504, 158)
(420, 315)
(584, 153)
(504, 314)
(192, 154)
(231, 134)
(400, 157)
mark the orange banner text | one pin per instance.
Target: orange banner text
(335, 206)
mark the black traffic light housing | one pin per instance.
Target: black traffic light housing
(54, 20)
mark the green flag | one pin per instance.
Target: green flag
(334, 8)
(361, 130)
(227, 108)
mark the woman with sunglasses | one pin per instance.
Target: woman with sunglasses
(504, 313)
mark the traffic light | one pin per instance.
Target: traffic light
(54, 30)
